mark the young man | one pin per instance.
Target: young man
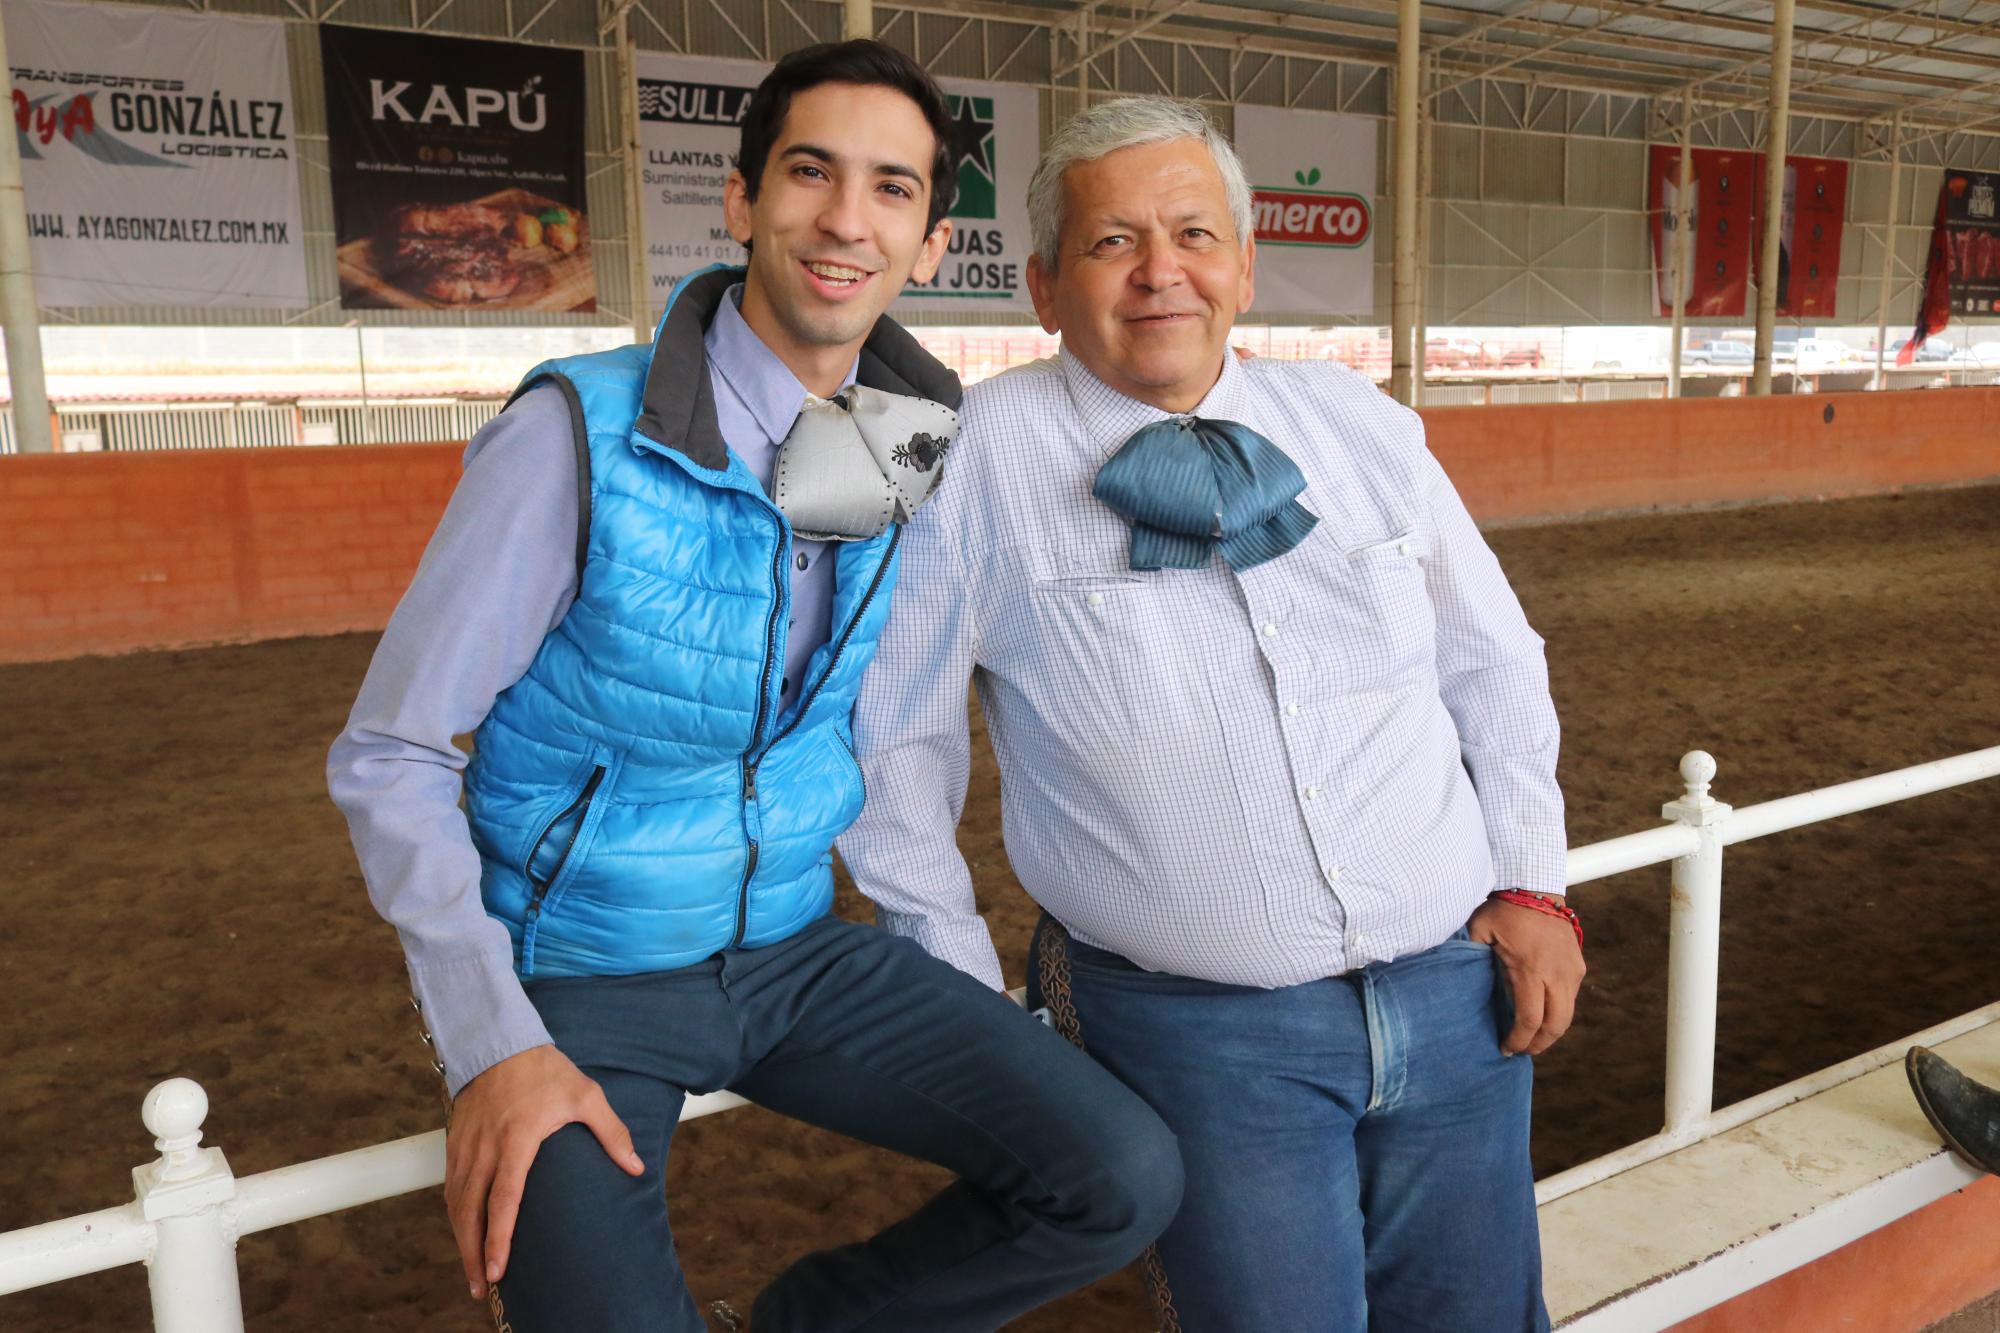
(1272, 731)
(654, 594)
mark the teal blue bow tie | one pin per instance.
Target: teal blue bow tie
(1190, 486)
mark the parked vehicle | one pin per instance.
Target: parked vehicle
(1720, 352)
(1934, 349)
(1984, 355)
(1823, 354)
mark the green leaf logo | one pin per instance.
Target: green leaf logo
(1307, 177)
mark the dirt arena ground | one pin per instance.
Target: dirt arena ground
(180, 898)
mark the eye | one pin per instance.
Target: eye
(1111, 243)
(809, 169)
(898, 189)
(1199, 234)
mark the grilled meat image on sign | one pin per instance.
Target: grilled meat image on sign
(457, 192)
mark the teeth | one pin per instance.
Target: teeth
(836, 273)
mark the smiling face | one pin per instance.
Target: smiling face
(837, 226)
(1151, 273)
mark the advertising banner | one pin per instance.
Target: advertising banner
(995, 128)
(457, 173)
(689, 116)
(1313, 178)
(1808, 234)
(1962, 275)
(1721, 204)
(157, 157)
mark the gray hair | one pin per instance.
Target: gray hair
(1127, 122)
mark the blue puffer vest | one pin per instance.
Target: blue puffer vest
(638, 801)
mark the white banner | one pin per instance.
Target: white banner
(689, 112)
(995, 129)
(1314, 178)
(158, 157)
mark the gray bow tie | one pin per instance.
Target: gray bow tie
(858, 461)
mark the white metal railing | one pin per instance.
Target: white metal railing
(189, 1209)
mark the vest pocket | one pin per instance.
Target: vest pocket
(558, 850)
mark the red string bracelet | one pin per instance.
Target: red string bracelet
(1537, 903)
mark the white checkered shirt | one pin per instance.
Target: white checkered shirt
(1258, 778)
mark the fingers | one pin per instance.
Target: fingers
(503, 1206)
(468, 1176)
(612, 1136)
(1529, 1004)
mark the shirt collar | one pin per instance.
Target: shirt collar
(758, 376)
(1109, 417)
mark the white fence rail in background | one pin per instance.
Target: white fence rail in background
(189, 1209)
(155, 427)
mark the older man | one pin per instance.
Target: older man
(1277, 758)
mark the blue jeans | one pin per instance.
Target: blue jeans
(1356, 1148)
(1065, 1175)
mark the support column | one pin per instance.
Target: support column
(857, 19)
(1403, 283)
(1889, 251)
(20, 316)
(638, 272)
(1083, 59)
(1426, 171)
(1775, 143)
(1683, 251)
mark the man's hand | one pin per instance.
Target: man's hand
(1544, 969)
(498, 1123)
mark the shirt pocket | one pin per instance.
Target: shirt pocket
(1395, 628)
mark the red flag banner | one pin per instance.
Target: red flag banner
(1815, 205)
(1719, 206)
(1962, 276)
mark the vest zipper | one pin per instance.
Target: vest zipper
(874, 586)
(753, 755)
(750, 764)
(541, 890)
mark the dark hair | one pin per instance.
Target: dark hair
(862, 62)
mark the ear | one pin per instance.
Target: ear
(736, 207)
(935, 246)
(1042, 291)
(1246, 288)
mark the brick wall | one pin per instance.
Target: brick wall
(106, 552)
(109, 552)
(1546, 460)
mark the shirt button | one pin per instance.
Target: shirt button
(1312, 793)
(1332, 873)
(1270, 630)
(1402, 548)
(1357, 941)
(803, 562)
(1291, 710)
(1095, 599)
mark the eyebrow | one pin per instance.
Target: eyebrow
(1203, 214)
(832, 159)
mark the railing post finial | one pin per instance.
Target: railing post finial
(173, 1112)
(1695, 805)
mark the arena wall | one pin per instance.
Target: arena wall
(1900, 1279)
(113, 552)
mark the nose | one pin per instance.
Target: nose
(844, 216)
(1159, 266)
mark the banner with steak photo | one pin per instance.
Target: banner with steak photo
(458, 173)
(1313, 181)
(157, 157)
